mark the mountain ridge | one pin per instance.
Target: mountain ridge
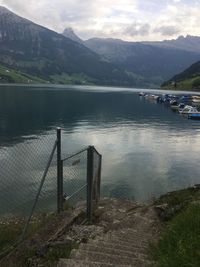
(188, 43)
(189, 79)
(154, 63)
(173, 56)
(36, 50)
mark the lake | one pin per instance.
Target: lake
(147, 149)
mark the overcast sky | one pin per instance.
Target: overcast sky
(132, 20)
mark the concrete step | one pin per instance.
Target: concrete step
(113, 251)
(81, 263)
(107, 258)
(134, 231)
(117, 240)
(142, 237)
(131, 235)
(140, 241)
(118, 245)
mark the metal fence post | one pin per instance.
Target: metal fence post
(90, 166)
(99, 178)
(59, 173)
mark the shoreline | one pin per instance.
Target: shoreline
(168, 207)
(75, 86)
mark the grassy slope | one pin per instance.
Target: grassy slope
(179, 244)
(187, 84)
(65, 78)
(8, 75)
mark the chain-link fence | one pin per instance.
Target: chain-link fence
(81, 178)
(35, 180)
(74, 178)
(22, 167)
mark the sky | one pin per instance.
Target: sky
(131, 20)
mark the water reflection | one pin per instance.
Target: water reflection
(147, 149)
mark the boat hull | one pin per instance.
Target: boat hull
(194, 116)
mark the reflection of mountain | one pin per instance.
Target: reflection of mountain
(147, 149)
(28, 112)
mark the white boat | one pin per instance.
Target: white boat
(151, 96)
(141, 94)
(188, 109)
(174, 104)
(180, 107)
(196, 99)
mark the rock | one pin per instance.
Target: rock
(165, 212)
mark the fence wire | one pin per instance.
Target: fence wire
(75, 178)
(22, 166)
(22, 180)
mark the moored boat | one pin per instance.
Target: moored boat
(174, 105)
(181, 107)
(196, 99)
(194, 116)
(188, 109)
(141, 94)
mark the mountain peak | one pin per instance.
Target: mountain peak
(4, 10)
(69, 33)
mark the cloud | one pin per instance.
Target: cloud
(136, 29)
(167, 30)
(126, 19)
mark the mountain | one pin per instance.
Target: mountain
(69, 33)
(38, 51)
(188, 43)
(189, 79)
(154, 63)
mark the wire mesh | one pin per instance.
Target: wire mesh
(22, 166)
(75, 179)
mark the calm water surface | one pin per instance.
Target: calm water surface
(147, 149)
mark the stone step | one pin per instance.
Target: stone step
(113, 251)
(134, 231)
(118, 245)
(141, 241)
(129, 238)
(108, 258)
(131, 235)
(145, 219)
(82, 263)
(117, 240)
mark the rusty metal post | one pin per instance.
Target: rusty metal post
(59, 173)
(99, 178)
(90, 167)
